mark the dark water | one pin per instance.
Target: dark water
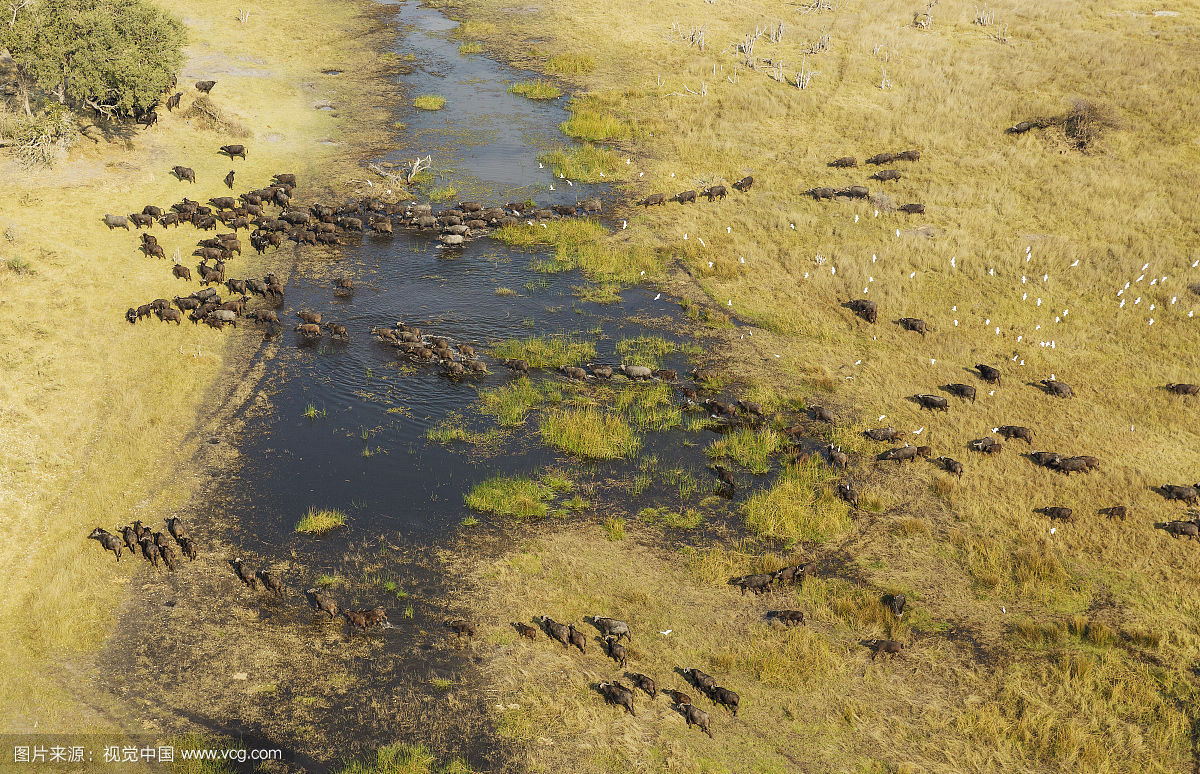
(485, 144)
(365, 452)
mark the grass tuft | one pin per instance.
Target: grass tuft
(517, 497)
(510, 403)
(586, 163)
(318, 521)
(798, 506)
(544, 352)
(589, 433)
(538, 89)
(595, 126)
(430, 102)
(751, 447)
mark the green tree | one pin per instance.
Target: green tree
(114, 56)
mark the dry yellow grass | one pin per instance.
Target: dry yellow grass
(97, 415)
(970, 550)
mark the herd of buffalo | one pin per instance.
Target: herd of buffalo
(988, 445)
(271, 216)
(158, 550)
(883, 175)
(610, 633)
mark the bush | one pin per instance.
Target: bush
(114, 56)
(1087, 121)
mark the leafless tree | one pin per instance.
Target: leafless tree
(804, 75)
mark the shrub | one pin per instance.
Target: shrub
(114, 56)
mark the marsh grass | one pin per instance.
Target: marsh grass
(750, 447)
(471, 48)
(584, 162)
(429, 102)
(598, 293)
(800, 505)
(454, 428)
(580, 243)
(546, 352)
(511, 403)
(589, 433)
(688, 518)
(594, 126)
(645, 407)
(536, 89)
(646, 350)
(318, 521)
(517, 497)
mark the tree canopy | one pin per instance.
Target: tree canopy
(115, 56)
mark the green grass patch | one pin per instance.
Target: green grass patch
(604, 293)
(589, 433)
(651, 407)
(646, 351)
(594, 126)
(585, 244)
(571, 64)
(571, 231)
(472, 28)
(614, 528)
(688, 518)
(505, 292)
(750, 447)
(511, 403)
(443, 193)
(517, 497)
(799, 506)
(318, 521)
(454, 428)
(313, 413)
(430, 102)
(541, 352)
(473, 47)
(538, 89)
(585, 162)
